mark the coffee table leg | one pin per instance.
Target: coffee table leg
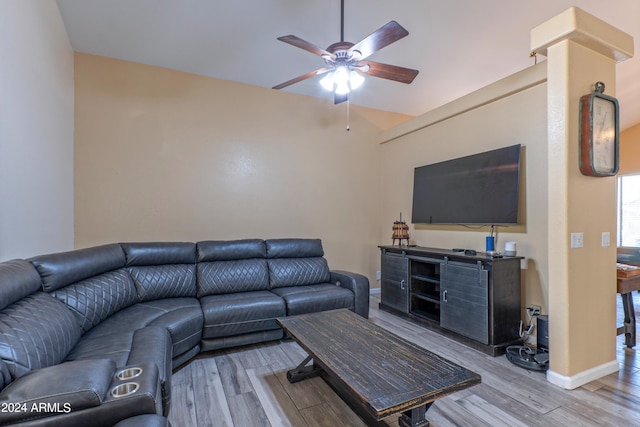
(415, 417)
(302, 371)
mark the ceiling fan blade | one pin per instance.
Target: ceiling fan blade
(337, 99)
(303, 44)
(302, 77)
(390, 72)
(383, 36)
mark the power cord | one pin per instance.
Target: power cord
(525, 334)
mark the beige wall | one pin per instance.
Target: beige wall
(581, 279)
(576, 286)
(36, 130)
(512, 111)
(517, 110)
(164, 155)
(630, 150)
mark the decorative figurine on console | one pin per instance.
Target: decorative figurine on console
(400, 232)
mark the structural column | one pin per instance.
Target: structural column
(580, 50)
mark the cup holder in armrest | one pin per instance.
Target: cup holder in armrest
(128, 373)
(125, 389)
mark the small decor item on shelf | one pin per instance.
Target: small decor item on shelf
(400, 232)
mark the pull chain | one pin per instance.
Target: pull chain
(348, 127)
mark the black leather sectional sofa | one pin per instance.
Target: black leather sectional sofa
(91, 336)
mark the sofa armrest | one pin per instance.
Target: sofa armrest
(356, 283)
(70, 386)
(159, 339)
(137, 395)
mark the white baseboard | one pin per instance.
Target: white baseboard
(374, 291)
(583, 377)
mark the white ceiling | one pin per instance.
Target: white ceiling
(458, 45)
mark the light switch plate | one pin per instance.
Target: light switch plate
(577, 240)
(606, 239)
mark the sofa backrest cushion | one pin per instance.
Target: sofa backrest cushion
(164, 281)
(162, 270)
(159, 253)
(94, 299)
(294, 248)
(227, 266)
(18, 278)
(223, 277)
(230, 250)
(294, 262)
(36, 332)
(298, 271)
(64, 268)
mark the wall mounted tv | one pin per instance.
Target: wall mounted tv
(477, 189)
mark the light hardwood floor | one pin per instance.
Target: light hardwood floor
(247, 386)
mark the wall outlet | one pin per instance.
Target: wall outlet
(606, 239)
(534, 310)
(577, 240)
(378, 275)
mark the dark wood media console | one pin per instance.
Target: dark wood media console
(472, 298)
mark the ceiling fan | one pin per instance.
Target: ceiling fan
(346, 62)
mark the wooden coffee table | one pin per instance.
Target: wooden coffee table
(378, 373)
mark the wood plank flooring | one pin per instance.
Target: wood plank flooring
(247, 386)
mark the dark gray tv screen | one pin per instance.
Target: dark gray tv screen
(477, 189)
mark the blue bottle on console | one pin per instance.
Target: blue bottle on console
(490, 244)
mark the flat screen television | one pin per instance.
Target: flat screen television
(477, 189)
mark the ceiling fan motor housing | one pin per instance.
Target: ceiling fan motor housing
(340, 53)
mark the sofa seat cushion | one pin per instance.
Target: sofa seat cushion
(241, 313)
(120, 345)
(184, 325)
(115, 346)
(312, 298)
(182, 317)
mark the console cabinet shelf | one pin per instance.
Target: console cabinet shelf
(473, 298)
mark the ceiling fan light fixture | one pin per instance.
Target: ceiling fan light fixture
(327, 82)
(342, 88)
(355, 79)
(341, 75)
(342, 80)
